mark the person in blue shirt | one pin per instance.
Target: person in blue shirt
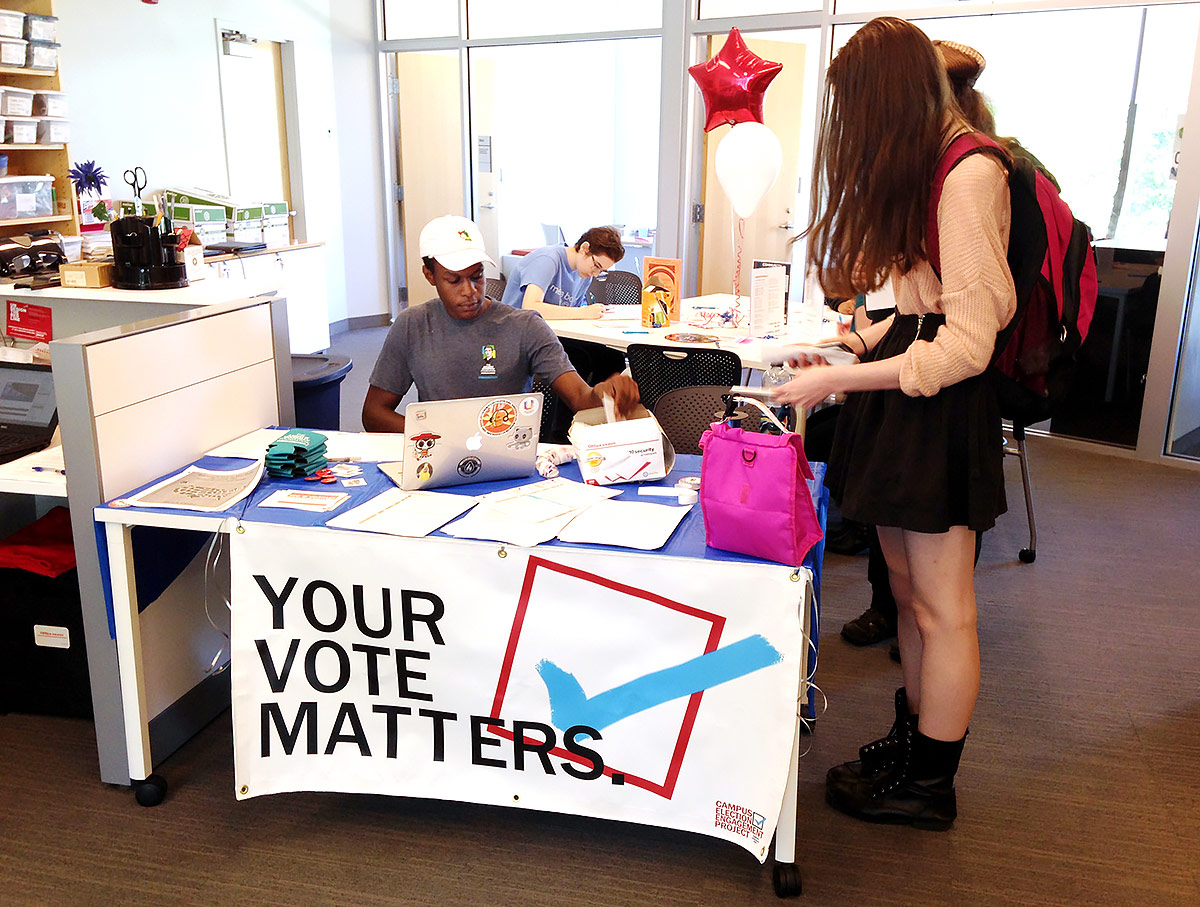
(553, 280)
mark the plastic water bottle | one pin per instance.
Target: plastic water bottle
(773, 377)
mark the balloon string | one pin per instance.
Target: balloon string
(739, 237)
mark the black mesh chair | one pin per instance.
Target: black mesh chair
(551, 432)
(623, 288)
(685, 413)
(493, 287)
(658, 369)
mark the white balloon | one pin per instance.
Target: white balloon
(748, 162)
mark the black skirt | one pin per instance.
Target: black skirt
(919, 463)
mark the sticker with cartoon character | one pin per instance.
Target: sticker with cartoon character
(522, 437)
(424, 472)
(423, 444)
(497, 417)
(469, 466)
(488, 351)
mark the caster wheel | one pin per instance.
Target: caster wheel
(786, 877)
(151, 791)
(1027, 555)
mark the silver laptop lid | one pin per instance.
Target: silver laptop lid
(27, 402)
(476, 439)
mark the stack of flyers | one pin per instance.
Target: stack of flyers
(302, 499)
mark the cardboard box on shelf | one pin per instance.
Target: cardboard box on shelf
(632, 450)
(192, 256)
(86, 273)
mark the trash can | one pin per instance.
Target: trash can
(316, 387)
(43, 656)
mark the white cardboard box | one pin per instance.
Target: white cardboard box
(632, 450)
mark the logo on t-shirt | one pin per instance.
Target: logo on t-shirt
(488, 351)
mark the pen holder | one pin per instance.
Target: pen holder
(144, 257)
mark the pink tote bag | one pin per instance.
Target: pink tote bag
(753, 492)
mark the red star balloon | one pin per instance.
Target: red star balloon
(733, 83)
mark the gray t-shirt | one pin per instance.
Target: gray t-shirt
(448, 359)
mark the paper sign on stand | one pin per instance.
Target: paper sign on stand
(632, 450)
(666, 275)
(768, 290)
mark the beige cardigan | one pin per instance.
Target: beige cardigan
(976, 293)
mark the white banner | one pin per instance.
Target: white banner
(626, 686)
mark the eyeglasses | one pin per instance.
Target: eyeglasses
(600, 269)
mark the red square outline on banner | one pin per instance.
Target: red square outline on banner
(666, 787)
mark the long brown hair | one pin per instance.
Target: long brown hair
(884, 119)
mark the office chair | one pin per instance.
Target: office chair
(624, 288)
(1017, 449)
(493, 287)
(658, 369)
(550, 433)
(685, 413)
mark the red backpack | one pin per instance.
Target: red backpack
(1054, 270)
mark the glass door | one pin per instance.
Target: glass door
(564, 137)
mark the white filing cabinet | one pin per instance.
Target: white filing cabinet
(300, 274)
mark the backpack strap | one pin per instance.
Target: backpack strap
(962, 147)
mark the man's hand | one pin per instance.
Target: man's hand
(594, 311)
(622, 389)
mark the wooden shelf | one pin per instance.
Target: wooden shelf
(14, 146)
(35, 220)
(25, 71)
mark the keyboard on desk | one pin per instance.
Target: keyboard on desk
(13, 445)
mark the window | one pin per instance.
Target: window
(564, 135)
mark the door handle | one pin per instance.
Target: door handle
(788, 226)
(487, 206)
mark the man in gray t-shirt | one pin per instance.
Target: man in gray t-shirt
(462, 344)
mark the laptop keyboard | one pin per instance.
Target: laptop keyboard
(9, 443)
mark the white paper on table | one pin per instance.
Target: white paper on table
(206, 490)
(48, 461)
(299, 499)
(251, 446)
(490, 524)
(370, 447)
(628, 524)
(575, 495)
(409, 513)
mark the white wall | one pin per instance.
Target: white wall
(360, 158)
(144, 89)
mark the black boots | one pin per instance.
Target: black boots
(878, 756)
(916, 789)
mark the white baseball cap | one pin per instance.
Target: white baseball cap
(454, 241)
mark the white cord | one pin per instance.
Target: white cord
(211, 559)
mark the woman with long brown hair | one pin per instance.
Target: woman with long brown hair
(921, 432)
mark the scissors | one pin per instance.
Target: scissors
(137, 179)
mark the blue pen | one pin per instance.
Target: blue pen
(635, 332)
(61, 472)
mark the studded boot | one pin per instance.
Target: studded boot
(878, 755)
(918, 790)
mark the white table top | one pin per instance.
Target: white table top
(20, 477)
(210, 291)
(618, 330)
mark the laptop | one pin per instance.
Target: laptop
(476, 439)
(28, 413)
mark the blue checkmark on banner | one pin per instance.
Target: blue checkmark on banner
(570, 706)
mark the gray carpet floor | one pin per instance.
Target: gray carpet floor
(1080, 783)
